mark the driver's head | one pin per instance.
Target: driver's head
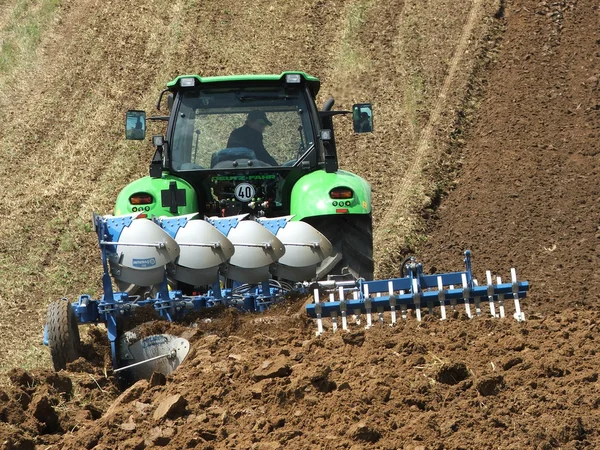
(258, 120)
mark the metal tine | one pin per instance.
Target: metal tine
(343, 308)
(368, 306)
(357, 313)
(416, 299)
(334, 324)
(403, 311)
(392, 302)
(380, 310)
(318, 312)
(477, 300)
(441, 297)
(500, 299)
(452, 301)
(515, 289)
(488, 276)
(466, 294)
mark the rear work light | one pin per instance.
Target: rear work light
(187, 82)
(341, 192)
(141, 199)
(292, 78)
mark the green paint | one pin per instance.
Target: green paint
(310, 195)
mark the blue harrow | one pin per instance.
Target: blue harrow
(171, 250)
(415, 291)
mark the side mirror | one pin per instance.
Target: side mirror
(135, 125)
(362, 117)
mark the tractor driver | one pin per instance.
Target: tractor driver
(250, 135)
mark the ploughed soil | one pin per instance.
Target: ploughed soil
(526, 195)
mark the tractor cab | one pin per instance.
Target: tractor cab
(241, 128)
(243, 142)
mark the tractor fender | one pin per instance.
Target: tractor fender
(168, 196)
(311, 197)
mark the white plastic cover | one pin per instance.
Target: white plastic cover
(304, 245)
(202, 246)
(143, 251)
(196, 277)
(255, 246)
(296, 273)
(143, 256)
(248, 275)
(137, 277)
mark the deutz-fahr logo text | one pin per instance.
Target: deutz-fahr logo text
(264, 176)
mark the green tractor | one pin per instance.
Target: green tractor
(244, 204)
(253, 147)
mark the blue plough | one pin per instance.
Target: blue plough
(153, 261)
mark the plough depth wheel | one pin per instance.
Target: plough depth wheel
(63, 333)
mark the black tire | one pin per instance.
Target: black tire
(63, 334)
(352, 236)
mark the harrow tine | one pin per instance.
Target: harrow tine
(466, 295)
(417, 299)
(500, 299)
(334, 322)
(441, 297)
(343, 308)
(318, 311)
(515, 289)
(368, 304)
(453, 300)
(392, 302)
(380, 310)
(488, 276)
(477, 300)
(357, 313)
(403, 311)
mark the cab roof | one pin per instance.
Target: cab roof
(313, 83)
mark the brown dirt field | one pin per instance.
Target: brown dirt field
(514, 152)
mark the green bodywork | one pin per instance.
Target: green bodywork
(310, 195)
(155, 187)
(313, 82)
(309, 198)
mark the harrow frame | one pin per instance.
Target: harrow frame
(415, 291)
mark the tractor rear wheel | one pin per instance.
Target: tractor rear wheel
(63, 334)
(352, 240)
